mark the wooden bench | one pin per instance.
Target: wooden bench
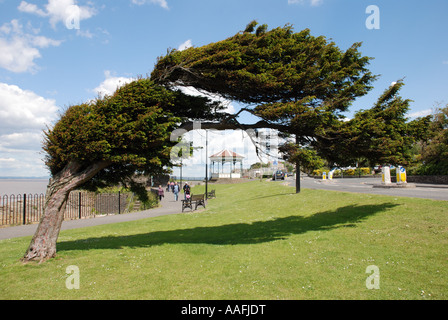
(211, 194)
(196, 200)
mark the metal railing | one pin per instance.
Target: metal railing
(29, 208)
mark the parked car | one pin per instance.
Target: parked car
(278, 175)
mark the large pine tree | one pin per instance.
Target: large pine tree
(294, 82)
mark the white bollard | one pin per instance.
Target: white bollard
(386, 175)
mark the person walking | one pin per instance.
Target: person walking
(161, 193)
(176, 191)
(186, 191)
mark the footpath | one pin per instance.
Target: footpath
(167, 206)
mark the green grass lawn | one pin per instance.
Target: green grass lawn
(256, 240)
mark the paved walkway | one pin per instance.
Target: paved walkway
(366, 185)
(168, 206)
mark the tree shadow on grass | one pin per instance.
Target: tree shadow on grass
(275, 195)
(238, 233)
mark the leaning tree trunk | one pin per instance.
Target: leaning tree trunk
(43, 243)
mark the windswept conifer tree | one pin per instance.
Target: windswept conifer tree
(294, 82)
(106, 142)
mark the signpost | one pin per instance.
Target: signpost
(401, 175)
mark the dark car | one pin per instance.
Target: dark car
(278, 175)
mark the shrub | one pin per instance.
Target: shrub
(151, 201)
(365, 171)
(349, 172)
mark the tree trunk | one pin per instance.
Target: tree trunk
(297, 177)
(43, 244)
(297, 170)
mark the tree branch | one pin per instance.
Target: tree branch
(234, 125)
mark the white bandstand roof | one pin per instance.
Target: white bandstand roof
(226, 156)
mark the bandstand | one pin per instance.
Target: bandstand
(221, 170)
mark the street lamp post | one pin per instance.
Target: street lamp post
(206, 164)
(180, 183)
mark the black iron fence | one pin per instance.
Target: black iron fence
(29, 208)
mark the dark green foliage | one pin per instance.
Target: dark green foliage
(307, 157)
(381, 134)
(125, 128)
(271, 66)
(295, 82)
(251, 26)
(129, 130)
(433, 146)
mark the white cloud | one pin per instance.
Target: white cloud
(17, 55)
(84, 33)
(187, 44)
(23, 110)
(421, 113)
(21, 141)
(23, 116)
(313, 3)
(111, 84)
(229, 108)
(65, 11)
(31, 8)
(161, 3)
(27, 163)
(19, 49)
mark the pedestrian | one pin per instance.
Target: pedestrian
(161, 193)
(186, 191)
(172, 186)
(176, 191)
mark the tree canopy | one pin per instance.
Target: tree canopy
(433, 143)
(106, 142)
(271, 66)
(129, 130)
(294, 82)
(381, 134)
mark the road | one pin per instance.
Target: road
(366, 185)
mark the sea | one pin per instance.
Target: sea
(21, 186)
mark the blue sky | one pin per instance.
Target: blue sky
(57, 53)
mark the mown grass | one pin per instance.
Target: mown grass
(257, 240)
